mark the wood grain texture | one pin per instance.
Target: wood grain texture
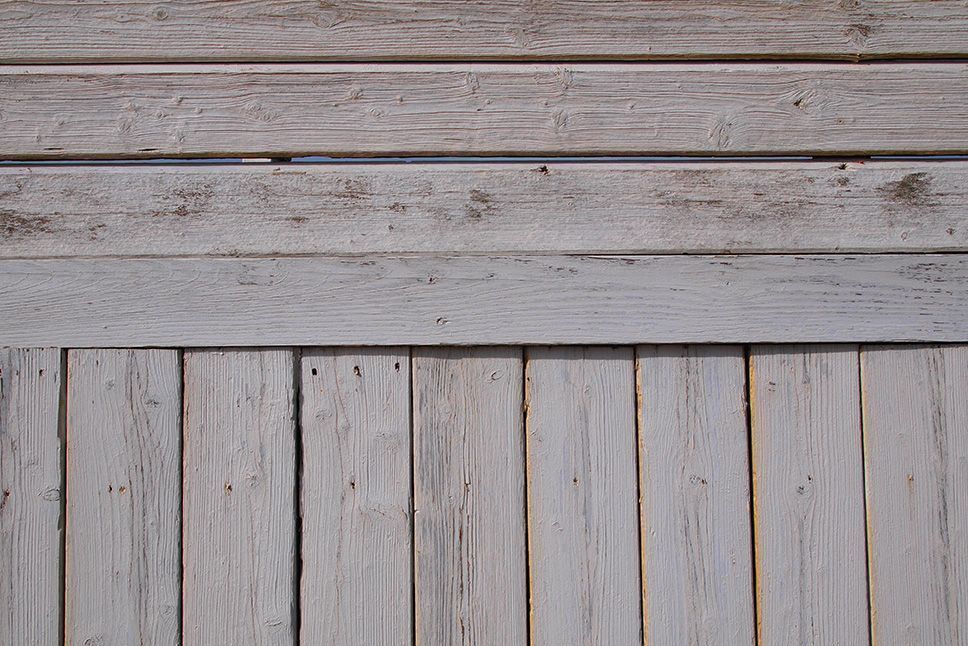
(474, 300)
(124, 497)
(469, 523)
(583, 539)
(31, 457)
(357, 550)
(694, 452)
(808, 498)
(65, 112)
(238, 501)
(351, 209)
(207, 30)
(916, 453)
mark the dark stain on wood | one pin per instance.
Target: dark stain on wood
(13, 225)
(912, 190)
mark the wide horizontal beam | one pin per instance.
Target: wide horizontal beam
(65, 112)
(534, 208)
(304, 30)
(483, 300)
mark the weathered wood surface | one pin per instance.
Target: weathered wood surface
(299, 30)
(583, 538)
(808, 495)
(916, 453)
(123, 583)
(31, 523)
(469, 470)
(64, 112)
(475, 300)
(238, 499)
(702, 207)
(356, 539)
(695, 493)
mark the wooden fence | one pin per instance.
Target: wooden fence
(585, 395)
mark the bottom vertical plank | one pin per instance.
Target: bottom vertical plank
(356, 583)
(582, 504)
(123, 497)
(808, 488)
(30, 499)
(469, 523)
(916, 453)
(238, 498)
(696, 543)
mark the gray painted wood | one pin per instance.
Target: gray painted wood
(64, 112)
(31, 495)
(583, 539)
(475, 300)
(357, 550)
(238, 498)
(916, 453)
(257, 30)
(695, 493)
(808, 493)
(525, 207)
(123, 581)
(469, 523)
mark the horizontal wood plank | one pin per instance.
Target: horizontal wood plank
(145, 111)
(483, 300)
(478, 208)
(299, 30)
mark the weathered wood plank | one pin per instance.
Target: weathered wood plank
(123, 581)
(300, 30)
(246, 209)
(239, 507)
(808, 495)
(356, 512)
(694, 452)
(916, 453)
(474, 300)
(583, 539)
(31, 479)
(469, 524)
(63, 112)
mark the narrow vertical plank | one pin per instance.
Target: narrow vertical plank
(238, 498)
(583, 532)
(355, 497)
(696, 540)
(808, 495)
(916, 452)
(123, 583)
(30, 502)
(469, 523)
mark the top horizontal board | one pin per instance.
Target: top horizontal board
(301, 30)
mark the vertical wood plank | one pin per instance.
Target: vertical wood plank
(469, 523)
(355, 497)
(123, 582)
(694, 449)
(238, 499)
(916, 452)
(582, 496)
(808, 495)
(30, 500)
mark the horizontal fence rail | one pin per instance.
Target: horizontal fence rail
(471, 300)
(597, 495)
(73, 112)
(481, 208)
(302, 30)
